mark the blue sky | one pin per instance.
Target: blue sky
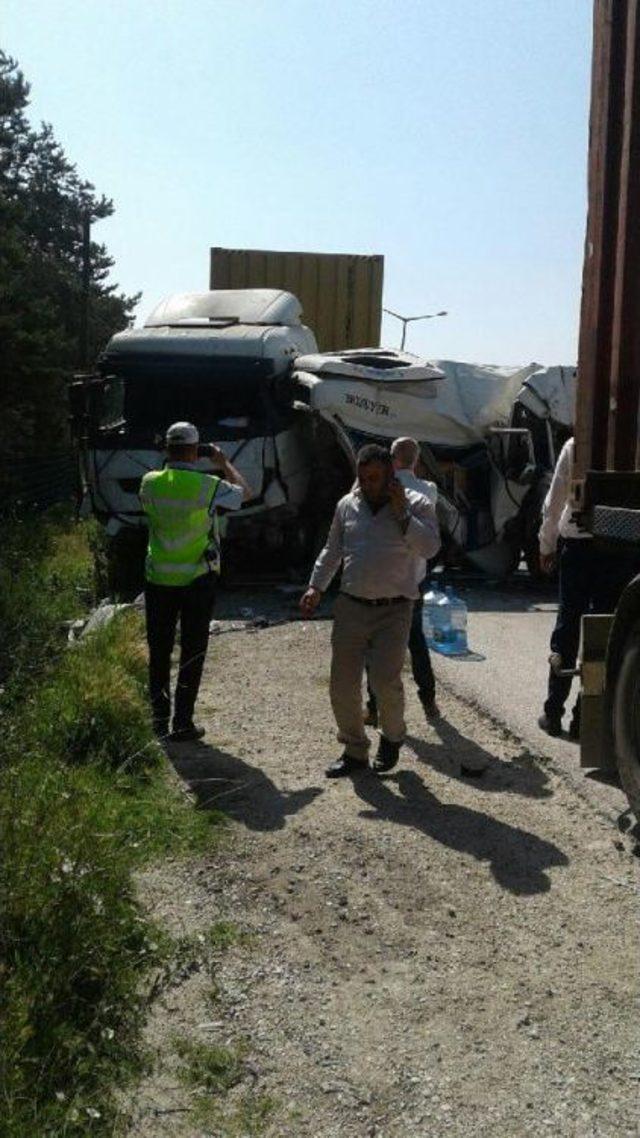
(449, 135)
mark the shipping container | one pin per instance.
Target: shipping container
(340, 293)
(606, 484)
(609, 349)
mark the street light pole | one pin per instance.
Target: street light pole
(86, 289)
(409, 320)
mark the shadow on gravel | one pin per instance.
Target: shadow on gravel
(517, 859)
(519, 594)
(455, 752)
(222, 781)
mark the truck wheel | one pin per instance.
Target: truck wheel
(626, 719)
(331, 477)
(125, 563)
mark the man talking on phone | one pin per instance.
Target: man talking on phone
(181, 572)
(381, 534)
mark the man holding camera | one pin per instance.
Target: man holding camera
(382, 535)
(182, 566)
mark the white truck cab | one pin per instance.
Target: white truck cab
(222, 360)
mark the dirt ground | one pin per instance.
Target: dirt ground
(429, 954)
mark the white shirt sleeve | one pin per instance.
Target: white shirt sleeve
(328, 561)
(422, 533)
(227, 497)
(410, 481)
(556, 500)
(430, 492)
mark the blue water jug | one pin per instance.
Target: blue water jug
(429, 602)
(444, 622)
(456, 641)
(440, 620)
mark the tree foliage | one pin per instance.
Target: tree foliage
(43, 202)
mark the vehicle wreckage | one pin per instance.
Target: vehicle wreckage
(489, 438)
(244, 368)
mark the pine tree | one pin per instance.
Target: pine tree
(43, 202)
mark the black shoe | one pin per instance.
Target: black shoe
(161, 728)
(344, 766)
(388, 755)
(189, 733)
(551, 724)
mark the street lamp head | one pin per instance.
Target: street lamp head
(409, 320)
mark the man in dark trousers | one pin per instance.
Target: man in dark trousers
(590, 580)
(405, 453)
(382, 535)
(182, 567)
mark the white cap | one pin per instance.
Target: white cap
(182, 434)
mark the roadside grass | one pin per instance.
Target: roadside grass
(209, 1067)
(46, 577)
(222, 934)
(201, 949)
(211, 1071)
(85, 799)
(250, 1117)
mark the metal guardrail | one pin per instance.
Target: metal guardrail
(29, 485)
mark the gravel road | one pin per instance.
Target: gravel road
(506, 675)
(429, 955)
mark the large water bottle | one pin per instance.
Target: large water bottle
(429, 601)
(440, 621)
(457, 643)
(444, 622)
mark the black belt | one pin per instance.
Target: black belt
(377, 601)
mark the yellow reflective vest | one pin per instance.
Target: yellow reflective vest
(183, 538)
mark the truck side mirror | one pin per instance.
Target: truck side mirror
(78, 406)
(90, 399)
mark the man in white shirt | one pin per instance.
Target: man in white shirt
(382, 535)
(405, 453)
(590, 580)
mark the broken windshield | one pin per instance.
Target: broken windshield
(231, 406)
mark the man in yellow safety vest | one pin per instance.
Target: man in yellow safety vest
(182, 567)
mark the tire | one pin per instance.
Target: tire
(626, 718)
(331, 477)
(125, 554)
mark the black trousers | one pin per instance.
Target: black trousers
(420, 662)
(192, 605)
(590, 581)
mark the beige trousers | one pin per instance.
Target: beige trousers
(377, 634)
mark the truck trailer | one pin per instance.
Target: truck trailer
(606, 486)
(340, 293)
